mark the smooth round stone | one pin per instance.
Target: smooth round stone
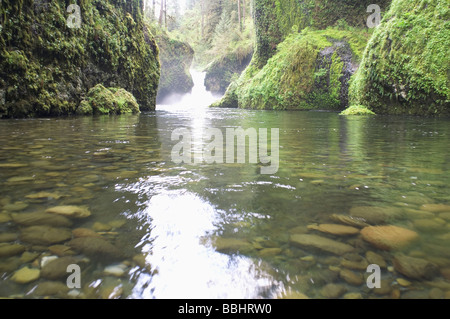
(61, 250)
(57, 268)
(96, 248)
(33, 219)
(293, 295)
(84, 232)
(100, 227)
(18, 206)
(46, 259)
(44, 195)
(20, 179)
(45, 235)
(350, 220)
(8, 237)
(376, 259)
(375, 215)
(270, 252)
(335, 229)
(117, 270)
(428, 224)
(28, 257)
(25, 275)
(9, 250)
(415, 268)
(4, 218)
(51, 288)
(351, 277)
(333, 290)
(435, 208)
(321, 243)
(403, 282)
(115, 224)
(389, 237)
(70, 211)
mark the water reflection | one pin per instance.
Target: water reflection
(184, 264)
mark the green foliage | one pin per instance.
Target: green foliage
(357, 110)
(405, 68)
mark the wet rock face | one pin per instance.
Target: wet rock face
(176, 59)
(47, 67)
(345, 67)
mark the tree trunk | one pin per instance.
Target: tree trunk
(161, 13)
(202, 8)
(165, 13)
(154, 9)
(239, 14)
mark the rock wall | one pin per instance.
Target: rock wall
(48, 62)
(220, 73)
(176, 59)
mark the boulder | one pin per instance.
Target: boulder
(389, 237)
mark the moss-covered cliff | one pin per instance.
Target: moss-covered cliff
(47, 68)
(176, 59)
(406, 66)
(306, 52)
(310, 70)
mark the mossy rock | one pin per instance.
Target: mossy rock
(46, 67)
(357, 110)
(106, 101)
(311, 70)
(405, 68)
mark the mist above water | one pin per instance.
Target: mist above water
(198, 97)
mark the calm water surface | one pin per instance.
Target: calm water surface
(223, 230)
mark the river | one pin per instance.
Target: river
(224, 230)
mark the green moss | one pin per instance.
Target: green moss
(107, 101)
(357, 110)
(307, 72)
(405, 68)
(46, 67)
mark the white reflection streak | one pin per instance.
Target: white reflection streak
(186, 269)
